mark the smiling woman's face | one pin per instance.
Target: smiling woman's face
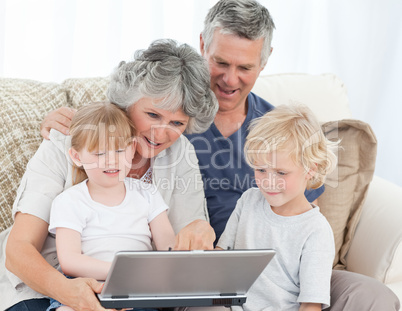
(157, 129)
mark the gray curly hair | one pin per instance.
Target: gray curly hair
(244, 18)
(175, 74)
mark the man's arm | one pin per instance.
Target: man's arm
(59, 119)
(23, 258)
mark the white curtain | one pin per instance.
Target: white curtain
(359, 40)
(50, 40)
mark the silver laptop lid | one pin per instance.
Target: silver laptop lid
(184, 273)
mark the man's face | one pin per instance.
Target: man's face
(234, 65)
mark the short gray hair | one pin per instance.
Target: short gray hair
(244, 18)
(175, 74)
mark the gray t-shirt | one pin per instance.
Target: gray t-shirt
(301, 269)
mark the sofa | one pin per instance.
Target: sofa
(364, 210)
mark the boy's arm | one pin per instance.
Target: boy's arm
(162, 232)
(306, 306)
(228, 237)
(315, 268)
(73, 262)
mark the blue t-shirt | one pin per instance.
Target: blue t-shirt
(225, 172)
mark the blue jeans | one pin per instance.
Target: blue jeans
(31, 305)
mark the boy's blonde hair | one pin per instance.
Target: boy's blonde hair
(294, 127)
(96, 126)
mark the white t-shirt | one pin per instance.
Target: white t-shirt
(302, 267)
(105, 230)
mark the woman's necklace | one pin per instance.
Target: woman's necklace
(139, 167)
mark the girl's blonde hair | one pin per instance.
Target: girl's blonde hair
(294, 127)
(96, 126)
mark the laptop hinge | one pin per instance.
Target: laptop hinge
(228, 294)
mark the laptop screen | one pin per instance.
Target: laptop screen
(182, 274)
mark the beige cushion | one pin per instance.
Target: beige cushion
(325, 94)
(82, 91)
(346, 188)
(23, 105)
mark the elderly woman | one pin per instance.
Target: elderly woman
(166, 92)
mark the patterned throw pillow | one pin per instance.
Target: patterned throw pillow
(82, 91)
(346, 188)
(23, 105)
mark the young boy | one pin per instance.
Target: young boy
(289, 153)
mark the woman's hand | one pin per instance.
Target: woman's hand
(79, 294)
(196, 235)
(59, 119)
(307, 306)
(82, 295)
(23, 248)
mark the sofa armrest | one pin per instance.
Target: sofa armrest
(396, 288)
(376, 249)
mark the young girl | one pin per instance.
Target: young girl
(104, 212)
(289, 153)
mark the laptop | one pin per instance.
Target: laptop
(157, 279)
